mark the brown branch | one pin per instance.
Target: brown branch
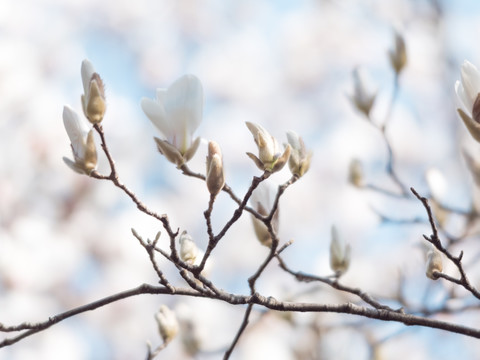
(435, 241)
(240, 331)
(33, 328)
(333, 282)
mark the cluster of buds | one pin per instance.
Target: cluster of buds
(78, 129)
(468, 95)
(177, 113)
(339, 254)
(270, 156)
(167, 324)
(398, 55)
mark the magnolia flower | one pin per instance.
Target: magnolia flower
(434, 263)
(177, 112)
(215, 178)
(188, 249)
(398, 56)
(362, 98)
(467, 90)
(262, 201)
(299, 161)
(82, 142)
(339, 254)
(167, 323)
(270, 157)
(93, 98)
(355, 173)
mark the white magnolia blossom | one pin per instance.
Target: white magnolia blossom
(271, 157)
(177, 113)
(262, 200)
(300, 158)
(93, 98)
(82, 142)
(339, 253)
(362, 98)
(434, 263)
(467, 90)
(167, 323)
(188, 248)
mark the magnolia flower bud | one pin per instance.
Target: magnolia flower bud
(398, 56)
(468, 98)
(188, 249)
(270, 158)
(362, 98)
(355, 173)
(167, 323)
(215, 178)
(93, 98)
(339, 254)
(262, 201)
(434, 263)
(299, 161)
(82, 142)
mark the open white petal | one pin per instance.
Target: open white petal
(184, 105)
(156, 113)
(87, 72)
(77, 130)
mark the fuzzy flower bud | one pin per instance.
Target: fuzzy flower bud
(93, 98)
(270, 157)
(362, 98)
(468, 98)
(167, 323)
(299, 161)
(355, 173)
(398, 55)
(188, 249)
(82, 142)
(339, 254)
(215, 178)
(434, 263)
(262, 201)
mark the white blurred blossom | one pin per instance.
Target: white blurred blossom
(177, 113)
(434, 263)
(262, 201)
(167, 323)
(188, 248)
(467, 90)
(339, 253)
(362, 97)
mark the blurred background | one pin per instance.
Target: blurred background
(65, 239)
